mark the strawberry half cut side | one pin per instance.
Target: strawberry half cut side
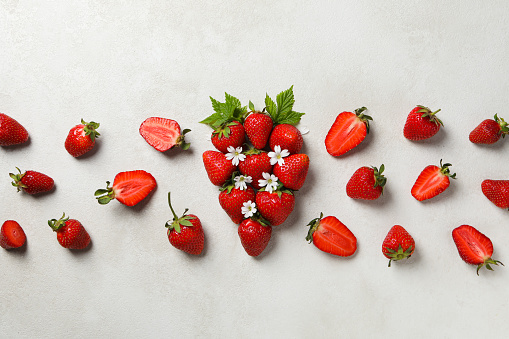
(332, 236)
(163, 134)
(432, 181)
(129, 188)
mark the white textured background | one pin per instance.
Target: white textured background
(61, 61)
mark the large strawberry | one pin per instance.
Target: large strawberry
(497, 191)
(292, 173)
(129, 188)
(185, 233)
(81, 138)
(32, 182)
(256, 163)
(11, 131)
(254, 235)
(231, 134)
(398, 244)
(287, 137)
(258, 127)
(366, 183)
(12, 235)
(70, 233)
(421, 124)
(432, 181)
(474, 247)
(332, 236)
(219, 169)
(232, 199)
(163, 134)
(348, 131)
(489, 131)
(275, 207)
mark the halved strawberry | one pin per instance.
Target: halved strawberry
(163, 134)
(432, 181)
(497, 191)
(12, 235)
(332, 236)
(129, 188)
(348, 130)
(219, 169)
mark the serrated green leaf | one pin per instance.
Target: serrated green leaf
(270, 107)
(216, 105)
(292, 118)
(210, 120)
(285, 101)
(231, 103)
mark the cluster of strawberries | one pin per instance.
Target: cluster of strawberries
(258, 180)
(349, 130)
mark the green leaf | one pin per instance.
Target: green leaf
(210, 120)
(185, 222)
(285, 101)
(216, 105)
(251, 106)
(231, 103)
(270, 107)
(291, 118)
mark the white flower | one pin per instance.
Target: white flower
(304, 130)
(278, 155)
(241, 181)
(235, 155)
(269, 181)
(249, 209)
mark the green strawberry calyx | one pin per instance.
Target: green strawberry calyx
(106, 195)
(444, 169)
(313, 225)
(426, 112)
(17, 179)
(380, 179)
(225, 113)
(181, 140)
(57, 224)
(279, 190)
(359, 112)
(90, 129)
(399, 254)
(504, 129)
(281, 111)
(487, 263)
(177, 223)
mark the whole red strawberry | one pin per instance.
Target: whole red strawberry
(70, 233)
(254, 236)
(432, 181)
(256, 163)
(292, 173)
(497, 191)
(129, 188)
(11, 131)
(81, 138)
(12, 235)
(474, 247)
(163, 134)
(32, 182)
(275, 207)
(489, 131)
(219, 169)
(185, 233)
(287, 137)
(398, 244)
(347, 132)
(421, 124)
(231, 134)
(332, 236)
(366, 183)
(258, 127)
(232, 199)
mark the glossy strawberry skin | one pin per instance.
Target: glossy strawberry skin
(232, 202)
(12, 235)
(288, 137)
(219, 169)
(190, 239)
(273, 208)
(419, 127)
(236, 137)
(363, 185)
(398, 244)
(487, 132)
(254, 165)
(33, 182)
(11, 131)
(254, 236)
(432, 181)
(293, 172)
(332, 236)
(73, 235)
(78, 142)
(347, 132)
(258, 127)
(497, 191)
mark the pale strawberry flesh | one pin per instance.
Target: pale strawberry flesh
(11, 235)
(347, 132)
(160, 133)
(133, 186)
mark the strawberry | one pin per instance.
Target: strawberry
(185, 233)
(254, 236)
(232, 199)
(219, 169)
(287, 137)
(497, 191)
(275, 207)
(12, 235)
(163, 134)
(366, 183)
(129, 188)
(32, 182)
(474, 247)
(432, 181)
(348, 131)
(70, 233)
(398, 244)
(292, 173)
(230, 134)
(421, 124)
(332, 236)
(258, 127)
(489, 131)
(81, 138)
(11, 131)
(256, 163)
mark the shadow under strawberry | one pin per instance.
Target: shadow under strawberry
(92, 152)
(83, 251)
(139, 207)
(438, 139)
(177, 152)
(16, 148)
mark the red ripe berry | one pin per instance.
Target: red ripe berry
(129, 188)
(288, 137)
(232, 199)
(81, 138)
(293, 172)
(497, 191)
(256, 163)
(332, 236)
(421, 124)
(432, 181)
(32, 182)
(398, 244)
(163, 134)
(366, 183)
(230, 134)
(348, 131)
(258, 127)
(489, 131)
(70, 233)
(254, 236)
(11, 131)
(12, 235)
(275, 207)
(219, 169)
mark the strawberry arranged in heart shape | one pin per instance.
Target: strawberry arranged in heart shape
(218, 167)
(258, 127)
(293, 171)
(275, 207)
(254, 236)
(233, 198)
(256, 163)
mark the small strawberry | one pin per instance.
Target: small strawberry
(366, 183)
(287, 137)
(185, 233)
(275, 207)
(348, 131)
(70, 233)
(474, 247)
(292, 173)
(332, 236)
(232, 199)
(81, 138)
(219, 169)
(32, 182)
(254, 235)
(432, 181)
(398, 244)
(11, 131)
(256, 163)
(12, 235)
(129, 188)
(258, 127)
(231, 134)
(489, 131)
(421, 124)
(163, 134)
(497, 191)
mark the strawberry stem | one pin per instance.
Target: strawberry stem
(171, 207)
(313, 225)
(57, 224)
(104, 196)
